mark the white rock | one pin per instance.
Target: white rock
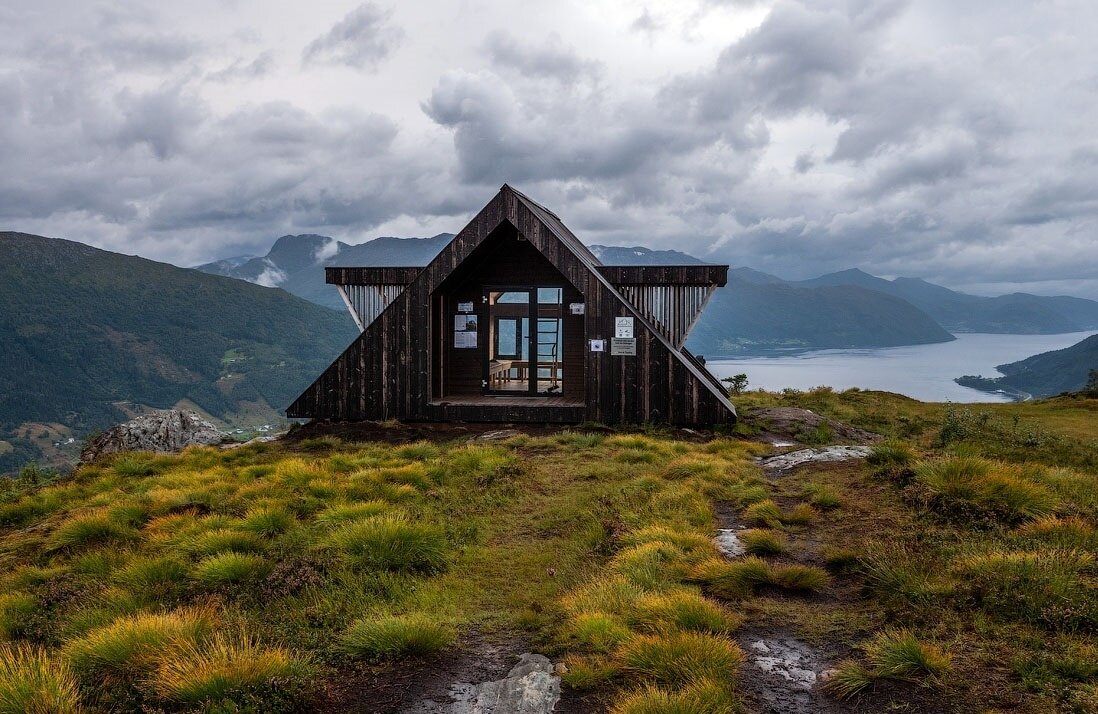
(785, 462)
(728, 543)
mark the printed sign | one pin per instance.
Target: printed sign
(465, 340)
(598, 345)
(465, 307)
(576, 308)
(623, 327)
(623, 347)
(463, 323)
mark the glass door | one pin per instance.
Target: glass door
(525, 342)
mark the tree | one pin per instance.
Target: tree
(736, 383)
(1091, 390)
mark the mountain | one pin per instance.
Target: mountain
(296, 263)
(1043, 375)
(639, 255)
(750, 316)
(1017, 313)
(90, 337)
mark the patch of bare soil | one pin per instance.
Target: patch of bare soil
(787, 425)
(424, 685)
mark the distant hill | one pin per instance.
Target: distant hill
(91, 336)
(1042, 375)
(1016, 314)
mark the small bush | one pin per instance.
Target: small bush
(33, 683)
(135, 643)
(392, 543)
(682, 658)
(91, 530)
(267, 522)
(703, 697)
(684, 610)
(228, 672)
(764, 513)
(388, 638)
(16, 610)
(761, 541)
(230, 568)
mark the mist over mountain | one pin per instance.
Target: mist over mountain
(90, 337)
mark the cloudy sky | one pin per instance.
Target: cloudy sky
(951, 140)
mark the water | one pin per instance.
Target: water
(925, 372)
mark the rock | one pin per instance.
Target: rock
(499, 435)
(531, 687)
(729, 544)
(791, 423)
(784, 462)
(162, 430)
(790, 659)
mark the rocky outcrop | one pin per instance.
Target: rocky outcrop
(784, 462)
(164, 431)
(531, 687)
(795, 424)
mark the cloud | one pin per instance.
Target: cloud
(548, 59)
(362, 39)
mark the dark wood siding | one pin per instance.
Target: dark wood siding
(387, 373)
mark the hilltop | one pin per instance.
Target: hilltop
(92, 336)
(1045, 374)
(374, 572)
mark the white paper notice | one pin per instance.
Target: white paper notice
(465, 340)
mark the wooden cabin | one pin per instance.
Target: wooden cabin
(517, 321)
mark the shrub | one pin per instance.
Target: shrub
(681, 658)
(1047, 587)
(761, 541)
(684, 610)
(16, 609)
(91, 530)
(393, 637)
(392, 543)
(230, 568)
(703, 697)
(135, 643)
(33, 683)
(765, 513)
(969, 488)
(228, 671)
(267, 522)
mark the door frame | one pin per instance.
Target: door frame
(531, 337)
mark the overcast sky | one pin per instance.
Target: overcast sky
(951, 140)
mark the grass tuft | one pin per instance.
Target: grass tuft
(703, 697)
(394, 637)
(899, 654)
(392, 543)
(801, 578)
(684, 610)
(267, 522)
(763, 541)
(764, 513)
(135, 643)
(681, 658)
(230, 568)
(33, 683)
(972, 489)
(91, 530)
(16, 610)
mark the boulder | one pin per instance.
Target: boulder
(793, 424)
(162, 430)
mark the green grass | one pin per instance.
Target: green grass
(16, 611)
(267, 522)
(135, 644)
(761, 541)
(391, 543)
(682, 658)
(394, 637)
(970, 488)
(230, 568)
(705, 697)
(90, 531)
(891, 654)
(31, 682)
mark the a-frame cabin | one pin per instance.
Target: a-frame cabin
(517, 321)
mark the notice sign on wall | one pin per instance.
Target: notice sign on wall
(623, 327)
(465, 307)
(465, 332)
(623, 347)
(598, 345)
(576, 308)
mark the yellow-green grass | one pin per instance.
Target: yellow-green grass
(391, 543)
(891, 654)
(230, 568)
(16, 611)
(679, 659)
(703, 697)
(134, 644)
(974, 488)
(33, 682)
(395, 636)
